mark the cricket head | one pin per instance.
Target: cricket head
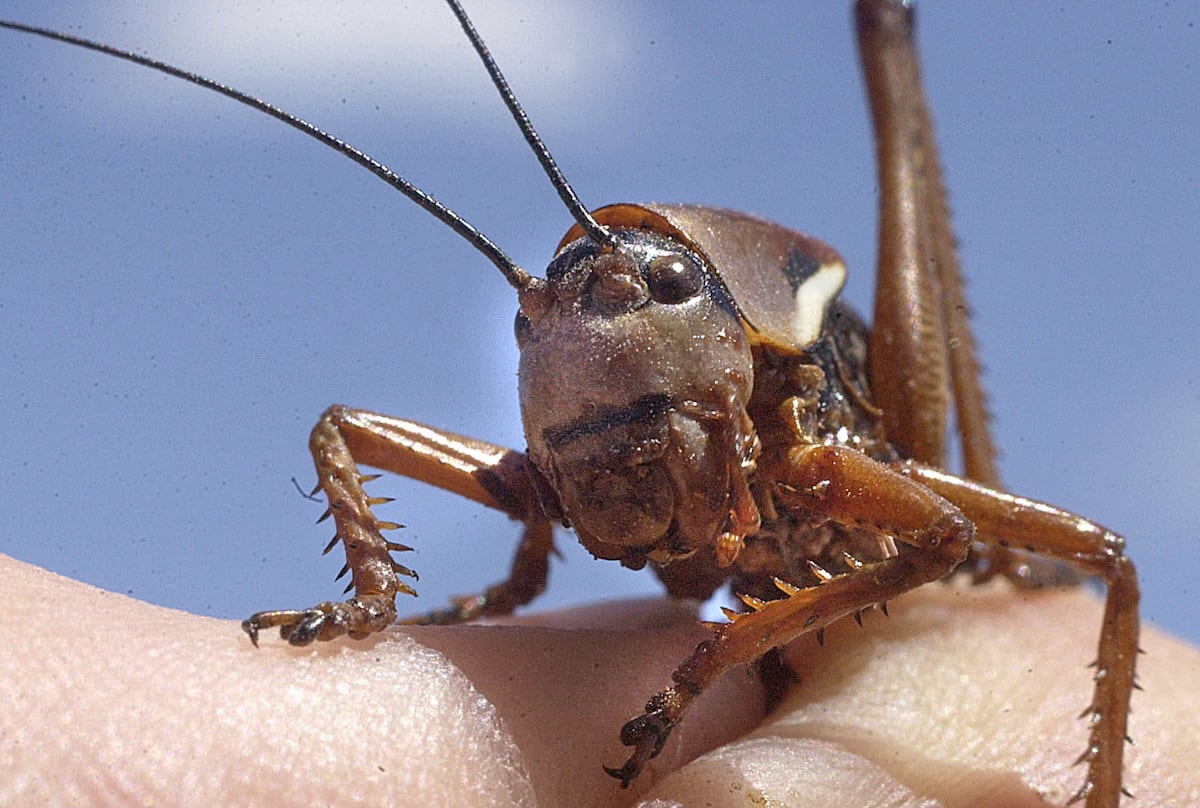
(635, 374)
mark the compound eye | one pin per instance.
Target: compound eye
(522, 327)
(674, 278)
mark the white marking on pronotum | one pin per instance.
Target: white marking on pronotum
(813, 296)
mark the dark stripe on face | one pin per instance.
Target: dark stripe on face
(645, 408)
(799, 268)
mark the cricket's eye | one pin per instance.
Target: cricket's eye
(521, 327)
(674, 278)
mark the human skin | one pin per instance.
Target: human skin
(963, 696)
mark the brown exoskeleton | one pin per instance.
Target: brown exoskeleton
(696, 397)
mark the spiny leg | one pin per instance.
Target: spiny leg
(373, 572)
(923, 352)
(342, 439)
(821, 483)
(909, 358)
(1035, 527)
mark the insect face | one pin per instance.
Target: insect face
(634, 378)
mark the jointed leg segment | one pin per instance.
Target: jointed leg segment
(489, 474)
(936, 515)
(526, 580)
(823, 483)
(1010, 520)
(922, 349)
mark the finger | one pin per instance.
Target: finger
(965, 696)
(110, 696)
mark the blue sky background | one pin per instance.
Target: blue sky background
(185, 285)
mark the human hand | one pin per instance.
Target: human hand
(964, 696)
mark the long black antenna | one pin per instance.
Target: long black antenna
(514, 274)
(596, 231)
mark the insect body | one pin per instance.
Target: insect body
(696, 397)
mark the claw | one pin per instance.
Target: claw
(358, 617)
(647, 733)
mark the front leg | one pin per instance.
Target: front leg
(822, 483)
(491, 475)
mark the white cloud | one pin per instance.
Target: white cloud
(412, 59)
